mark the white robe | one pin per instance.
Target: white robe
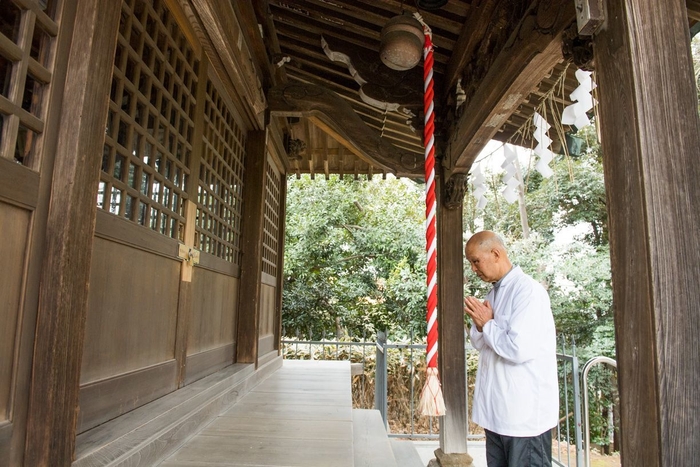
(516, 384)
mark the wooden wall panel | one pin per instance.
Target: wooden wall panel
(212, 324)
(214, 306)
(106, 399)
(268, 306)
(132, 311)
(15, 226)
(208, 362)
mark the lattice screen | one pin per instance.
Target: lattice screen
(146, 157)
(27, 54)
(220, 180)
(271, 226)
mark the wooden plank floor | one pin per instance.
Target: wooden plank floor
(300, 416)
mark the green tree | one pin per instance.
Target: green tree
(354, 260)
(573, 195)
(695, 50)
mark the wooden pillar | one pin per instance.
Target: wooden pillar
(63, 298)
(280, 261)
(451, 356)
(651, 141)
(251, 246)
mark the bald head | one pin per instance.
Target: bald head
(486, 240)
(488, 256)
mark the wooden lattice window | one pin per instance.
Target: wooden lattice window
(28, 30)
(220, 179)
(147, 150)
(271, 225)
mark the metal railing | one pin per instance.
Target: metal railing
(370, 367)
(569, 405)
(586, 422)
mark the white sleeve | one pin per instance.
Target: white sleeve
(521, 339)
(476, 338)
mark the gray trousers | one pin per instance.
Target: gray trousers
(510, 451)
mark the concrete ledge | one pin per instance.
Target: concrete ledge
(267, 358)
(406, 454)
(149, 434)
(371, 447)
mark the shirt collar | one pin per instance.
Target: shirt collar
(498, 283)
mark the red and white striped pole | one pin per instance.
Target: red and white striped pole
(431, 399)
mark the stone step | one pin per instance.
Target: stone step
(300, 416)
(406, 454)
(371, 445)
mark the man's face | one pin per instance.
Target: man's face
(483, 262)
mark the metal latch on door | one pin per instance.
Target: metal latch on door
(189, 254)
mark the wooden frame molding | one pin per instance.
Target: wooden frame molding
(651, 139)
(52, 413)
(225, 42)
(472, 33)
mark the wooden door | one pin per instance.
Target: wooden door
(172, 168)
(271, 260)
(29, 60)
(212, 323)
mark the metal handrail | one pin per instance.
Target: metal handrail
(573, 361)
(584, 381)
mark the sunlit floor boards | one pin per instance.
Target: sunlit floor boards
(300, 416)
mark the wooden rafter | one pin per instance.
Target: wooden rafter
(513, 75)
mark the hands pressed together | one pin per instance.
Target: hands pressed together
(480, 312)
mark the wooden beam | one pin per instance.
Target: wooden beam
(311, 137)
(336, 117)
(291, 23)
(396, 120)
(223, 38)
(316, 15)
(454, 9)
(253, 219)
(651, 139)
(247, 14)
(473, 30)
(451, 356)
(264, 16)
(63, 299)
(530, 54)
(358, 12)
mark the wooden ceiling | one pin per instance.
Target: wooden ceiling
(468, 37)
(356, 25)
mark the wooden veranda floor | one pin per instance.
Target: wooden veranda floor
(300, 416)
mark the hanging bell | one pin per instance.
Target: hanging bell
(402, 42)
